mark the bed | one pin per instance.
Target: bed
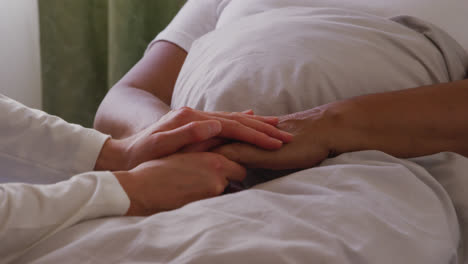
(361, 207)
(364, 207)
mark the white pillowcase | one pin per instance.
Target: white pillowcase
(449, 15)
(292, 59)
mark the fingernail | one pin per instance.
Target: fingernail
(273, 120)
(214, 128)
(287, 137)
(278, 143)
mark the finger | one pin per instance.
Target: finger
(204, 146)
(171, 141)
(236, 130)
(233, 187)
(272, 120)
(233, 171)
(248, 112)
(259, 126)
(250, 156)
(267, 129)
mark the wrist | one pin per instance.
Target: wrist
(111, 157)
(127, 182)
(343, 120)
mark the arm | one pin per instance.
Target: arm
(144, 93)
(32, 148)
(408, 123)
(33, 143)
(141, 98)
(30, 214)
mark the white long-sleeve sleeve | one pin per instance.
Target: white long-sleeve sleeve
(39, 148)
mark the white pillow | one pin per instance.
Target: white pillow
(449, 15)
(292, 59)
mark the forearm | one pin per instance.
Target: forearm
(126, 111)
(144, 94)
(407, 123)
(32, 140)
(32, 213)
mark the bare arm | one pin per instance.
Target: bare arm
(144, 94)
(408, 123)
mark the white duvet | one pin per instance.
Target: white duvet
(363, 207)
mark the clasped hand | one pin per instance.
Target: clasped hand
(312, 131)
(156, 181)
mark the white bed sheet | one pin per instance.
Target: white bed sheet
(362, 207)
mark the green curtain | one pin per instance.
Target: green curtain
(88, 45)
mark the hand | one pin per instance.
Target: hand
(185, 127)
(310, 145)
(245, 127)
(172, 182)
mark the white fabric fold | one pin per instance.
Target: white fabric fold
(31, 139)
(29, 214)
(39, 148)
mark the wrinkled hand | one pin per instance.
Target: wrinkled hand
(172, 182)
(309, 146)
(182, 129)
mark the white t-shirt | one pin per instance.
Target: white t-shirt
(47, 151)
(199, 17)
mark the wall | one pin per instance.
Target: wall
(20, 68)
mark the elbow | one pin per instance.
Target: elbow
(99, 121)
(103, 118)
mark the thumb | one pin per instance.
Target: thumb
(171, 141)
(250, 156)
